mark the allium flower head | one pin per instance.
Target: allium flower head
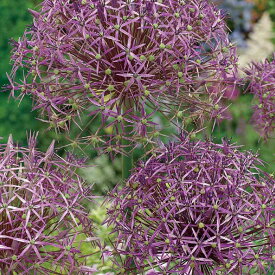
(196, 208)
(124, 60)
(40, 212)
(261, 78)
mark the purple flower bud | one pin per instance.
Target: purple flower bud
(203, 208)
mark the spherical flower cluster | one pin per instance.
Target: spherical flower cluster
(261, 78)
(41, 216)
(122, 61)
(196, 208)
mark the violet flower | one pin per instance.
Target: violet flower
(122, 61)
(41, 215)
(195, 208)
(261, 78)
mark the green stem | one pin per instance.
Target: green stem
(127, 160)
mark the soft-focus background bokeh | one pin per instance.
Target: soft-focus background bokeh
(252, 25)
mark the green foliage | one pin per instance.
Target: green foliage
(18, 119)
(14, 19)
(103, 173)
(241, 131)
(15, 118)
(98, 215)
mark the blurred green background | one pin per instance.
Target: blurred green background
(17, 118)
